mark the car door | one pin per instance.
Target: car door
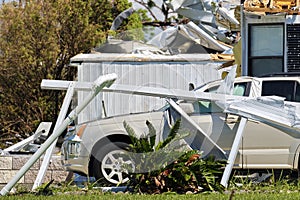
(263, 145)
(219, 126)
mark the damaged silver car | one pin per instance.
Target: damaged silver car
(96, 148)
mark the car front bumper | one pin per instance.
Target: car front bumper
(72, 158)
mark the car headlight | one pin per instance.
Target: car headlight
(72, 144)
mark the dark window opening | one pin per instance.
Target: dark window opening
(266, 49)
(288, 89)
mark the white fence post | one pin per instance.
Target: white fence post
(60, 119)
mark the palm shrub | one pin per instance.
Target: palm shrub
(169, 167)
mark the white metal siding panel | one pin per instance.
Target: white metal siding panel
(175, 75)
(89, 72)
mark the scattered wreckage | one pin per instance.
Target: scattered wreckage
(272, 6)
(235, 115)
(212, 28)
(228, 116)
(61, 124)
(213, 118)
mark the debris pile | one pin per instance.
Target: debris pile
(209, 27)
(272, 6)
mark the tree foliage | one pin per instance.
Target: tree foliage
(37, 40)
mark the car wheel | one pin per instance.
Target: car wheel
(109, 164)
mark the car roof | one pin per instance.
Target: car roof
(217, 82)
(263, 78)
(280, 78)
(250, 78)
(282, 74)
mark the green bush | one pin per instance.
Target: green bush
(155, 174)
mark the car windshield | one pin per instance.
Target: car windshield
(240, 89)
(206, 106)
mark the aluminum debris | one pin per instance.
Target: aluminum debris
(182, 38)
(211, 27)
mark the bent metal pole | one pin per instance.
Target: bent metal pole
(98, 85)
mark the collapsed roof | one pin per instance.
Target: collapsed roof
(208, 30)
(183, 38)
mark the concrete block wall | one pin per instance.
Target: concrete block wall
(11, 164)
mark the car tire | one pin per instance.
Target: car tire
(108, 165)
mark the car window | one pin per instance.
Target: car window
(288, 89)
(240, 89)
(212, 89)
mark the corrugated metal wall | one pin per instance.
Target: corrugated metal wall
(89, 72)
(175, 75)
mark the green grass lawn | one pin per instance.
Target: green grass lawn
(244, 196)
(259, 192)
(272, 190)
